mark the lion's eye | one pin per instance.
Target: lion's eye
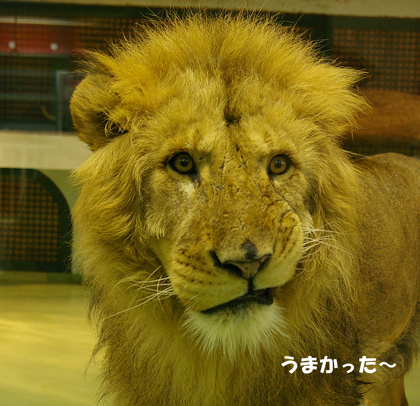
(182, 163)
(279, 165)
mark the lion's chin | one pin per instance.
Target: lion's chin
(245, 328)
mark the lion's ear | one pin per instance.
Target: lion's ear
(90, 106)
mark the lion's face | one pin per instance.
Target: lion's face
(224, 203)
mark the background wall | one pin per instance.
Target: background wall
(53, 154)
(35, 224)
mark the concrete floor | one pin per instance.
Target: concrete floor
(45, 346)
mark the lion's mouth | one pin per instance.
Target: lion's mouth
(263, 296)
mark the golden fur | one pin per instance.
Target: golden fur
(159, 247)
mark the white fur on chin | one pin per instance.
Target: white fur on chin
(234, 333)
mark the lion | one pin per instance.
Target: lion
(235, 254)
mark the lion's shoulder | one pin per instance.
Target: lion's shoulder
(390, 168)
(388, 206)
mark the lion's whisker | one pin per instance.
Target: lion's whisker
(166, 292)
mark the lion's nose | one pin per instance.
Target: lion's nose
(249, 269)
(246, 268)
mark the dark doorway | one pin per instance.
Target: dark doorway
(35, 223)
